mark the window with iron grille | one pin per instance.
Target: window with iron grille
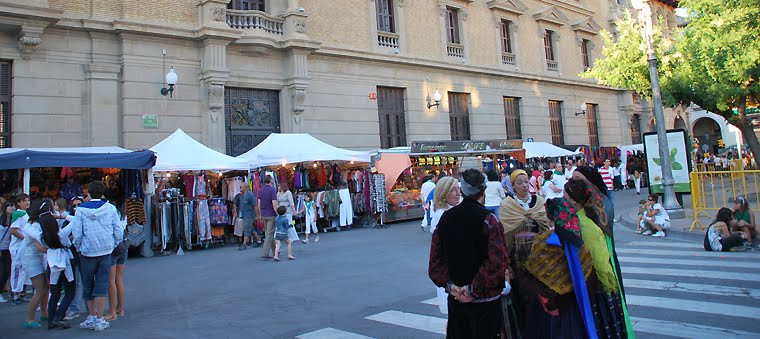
(385, 16)
(247, 5)
(506, 40)
(549, 45)
(585, 54)
(555, 120)
(390, 107)
(635, 129)
(5, 104)
(512, 117)
(452, 25)
(459, 115)
(591, 122)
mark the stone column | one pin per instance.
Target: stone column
(295, 91)
(102, 118)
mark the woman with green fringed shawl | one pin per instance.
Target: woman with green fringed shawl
(607, 300)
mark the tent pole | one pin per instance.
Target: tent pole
(27, 176)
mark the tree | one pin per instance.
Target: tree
(714, 62)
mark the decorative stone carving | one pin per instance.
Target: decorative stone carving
(218, 13)
(298, 96)
(300, 26)
(215, 97)
(29, 38)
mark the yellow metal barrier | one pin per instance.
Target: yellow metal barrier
(712, 189)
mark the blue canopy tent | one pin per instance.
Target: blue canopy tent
(76, 157)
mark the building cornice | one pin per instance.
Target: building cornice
(434, 64)
(567, 5)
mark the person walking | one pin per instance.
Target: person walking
(281, 234)
(285, 198)
(5, 242)
(310, 213)
(606, 172)
(73, 311)
(469, 259)
(116, 279)
(494, 193)
(62, 277)
(267, 206)
(97, 230)
(427, 186)
(31, 258)
(245, 206)
(19, 220)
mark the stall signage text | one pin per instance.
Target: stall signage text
(150, 121)
(465, 146)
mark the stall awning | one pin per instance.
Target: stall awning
(540, 149)
(291, 148)
(180, 152)
(92, 157)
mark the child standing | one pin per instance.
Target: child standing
(310, 213)
(640, 221)
(281, 226)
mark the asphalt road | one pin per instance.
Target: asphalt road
(373, 283)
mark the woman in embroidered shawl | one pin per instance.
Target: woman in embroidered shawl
(523, 217)
(607, 299)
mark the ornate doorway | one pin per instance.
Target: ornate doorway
(250, 116)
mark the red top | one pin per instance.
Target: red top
(607, 177)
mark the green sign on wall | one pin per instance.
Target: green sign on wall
(150, 121)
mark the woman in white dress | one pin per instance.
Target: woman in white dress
(447, 194)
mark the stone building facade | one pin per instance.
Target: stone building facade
(359, 74)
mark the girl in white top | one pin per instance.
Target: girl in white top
(548, 189)
(494, 193)
(447, 194)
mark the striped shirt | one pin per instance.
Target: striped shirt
(607, 177)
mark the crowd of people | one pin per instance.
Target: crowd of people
(56, 254)
(535, 266)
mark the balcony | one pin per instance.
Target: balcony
(508, 59)
(455, 50)
(387, 39)
(552, 66)
(254, 20)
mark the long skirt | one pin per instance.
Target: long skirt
(608, 315)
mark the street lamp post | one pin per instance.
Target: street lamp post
(669, 201)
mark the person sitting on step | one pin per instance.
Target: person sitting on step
(744, 220)
(719, 238)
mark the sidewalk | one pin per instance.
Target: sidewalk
(627, 206)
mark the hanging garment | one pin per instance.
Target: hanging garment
(320, 204)
(135, 235)
(346, 212)
(204, 221)
(331, 201)
(218, 212)
(200, 185)
(135, 212)
(189, 180)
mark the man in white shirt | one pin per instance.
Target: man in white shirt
(427, 187)
(558, 178)
(569, 169)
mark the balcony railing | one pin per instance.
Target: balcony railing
(254, 20)
(455, 50)
(387, 39)
(552, 65)
(508, 58)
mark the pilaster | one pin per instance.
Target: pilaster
(295, 91)
(101, 121)
(214, 75)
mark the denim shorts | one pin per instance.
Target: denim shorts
(119, 254)
(95, 271)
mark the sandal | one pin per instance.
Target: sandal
(111, 318)
(276, 259)
(121, 314)
(291, 258)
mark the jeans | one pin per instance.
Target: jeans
(78, 292)
(494, 210)
(55, 312)
(95, 276)
(611, 195)
(269, 236)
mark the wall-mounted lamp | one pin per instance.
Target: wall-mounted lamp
(171, 80)
(582, 110)
(436, 97)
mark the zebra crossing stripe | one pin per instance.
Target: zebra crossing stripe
(411, 320)
(692, 273)
(431, 301)
(331, 333)
(673, 286)
(685, 330)
(694, 306)
(659, 253)
(692, 262)
(660, 244)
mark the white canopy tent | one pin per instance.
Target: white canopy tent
(279, 148)
(541, 149)
(180, 152)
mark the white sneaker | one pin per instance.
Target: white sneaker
(89, 324)
(647, 232)
(305, 241)
(101, 324)
(2, 298)
(71, 315)
(316, 239)
(659, 234)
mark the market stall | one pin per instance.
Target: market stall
(63, 173)
(438, 158)
(338, 180)
(627, 154)
(194, 189)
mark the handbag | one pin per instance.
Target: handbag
(239, 225)
(260, 225)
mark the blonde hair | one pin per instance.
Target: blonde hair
(442, 188)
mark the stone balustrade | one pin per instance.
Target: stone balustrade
(254, 20)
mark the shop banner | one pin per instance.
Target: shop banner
(465, 146)
(679, 160)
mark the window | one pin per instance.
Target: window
(459, 115)
(390, 107)
(385, 16)
(585, 54)
(549, 45)
(506, 40)
(247, 5)
(555, 120)
(593, 130)
(452, 25)
(512, 118)
(635, 129)
(5, 104)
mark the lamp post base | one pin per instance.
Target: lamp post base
(676, 213)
